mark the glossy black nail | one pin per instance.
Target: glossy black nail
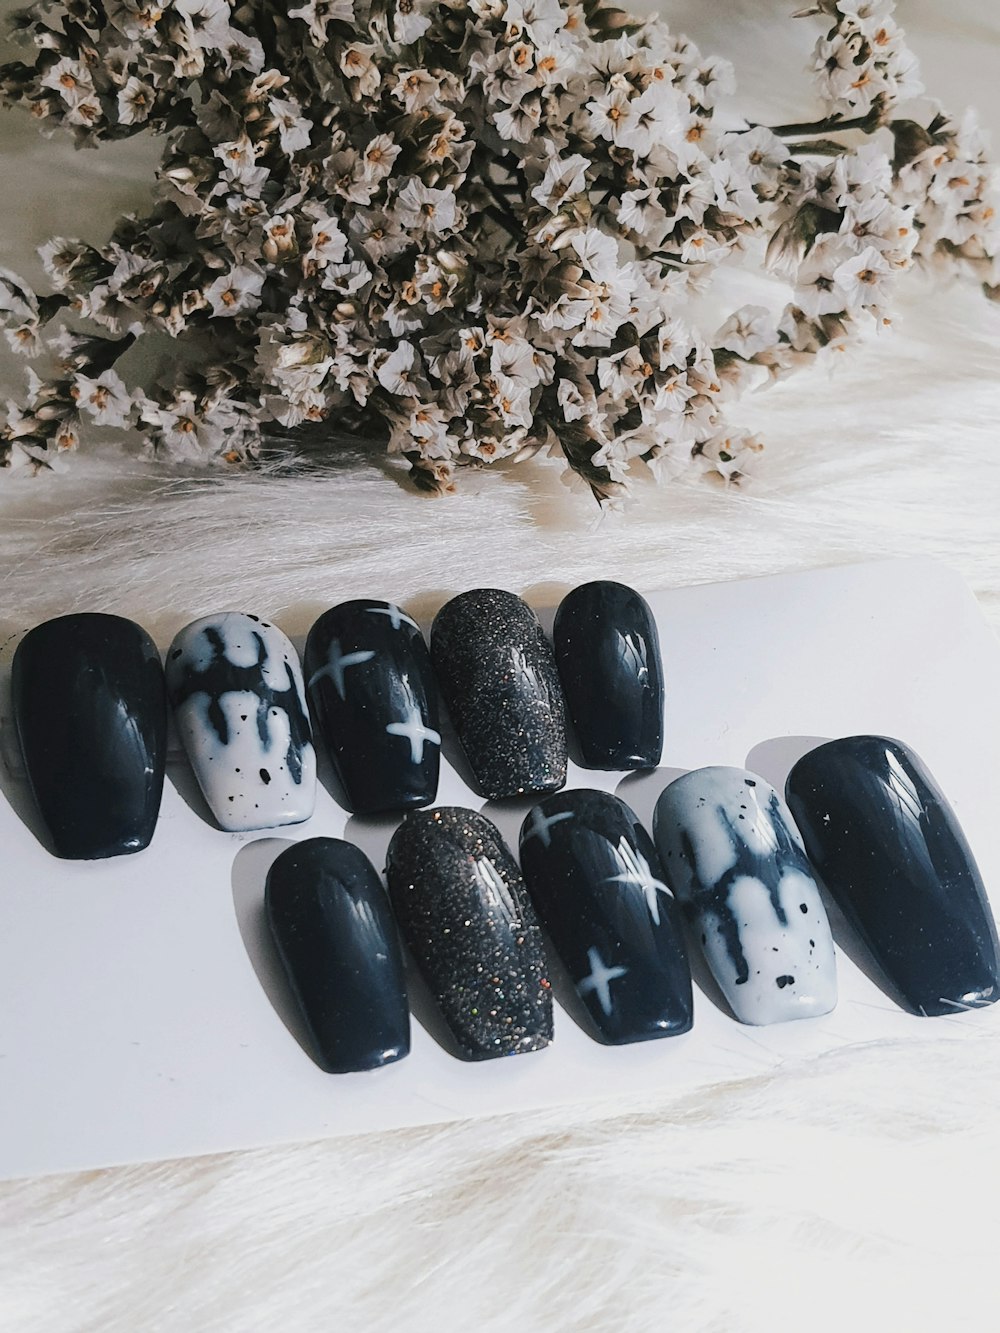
(608, 653)
(892, 854)
(89, 705)
(374, 700)
(595, 879)
(334, 931)
(465, 914)
(498, 676)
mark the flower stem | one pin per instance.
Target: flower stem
(817, 148)
(832, 125)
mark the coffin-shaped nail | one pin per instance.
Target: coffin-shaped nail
(608, 652)
(236, 688)
(374, 699)
(335, 934)
(465, 914)
(595, 879)
(90, 710)
(498, 676)
(889, 849)
(734, 858)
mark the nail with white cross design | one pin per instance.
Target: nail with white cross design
(374, 704)
(595, 878)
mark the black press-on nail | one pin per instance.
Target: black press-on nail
(465, 914)
(595, 878)
(374, 699)
(90, 709)
(893, 856)
(335, 934)
(608, 652)
(498, 676)
(734, 858)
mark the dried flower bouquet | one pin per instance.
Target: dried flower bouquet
(475, 227)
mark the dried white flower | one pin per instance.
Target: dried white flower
(105, 399)
(235, 292)
(485, 228)
(135, 102)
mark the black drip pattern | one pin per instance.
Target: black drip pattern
(222, 677)
(768, 868)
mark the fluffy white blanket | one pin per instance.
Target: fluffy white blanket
(858, 1190)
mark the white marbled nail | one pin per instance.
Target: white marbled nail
(236, 687)
(734, 858)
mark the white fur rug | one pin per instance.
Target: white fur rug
(858, 1190)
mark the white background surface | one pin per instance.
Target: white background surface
(147, 984)
(853, 1191)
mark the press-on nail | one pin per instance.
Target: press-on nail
(499, 680)
(464, 913)
(334, 930)
(90, 710)
(608, 652)
(734, 858)
(595, 879)
(236, 688)
(892, 854)
(374, 699)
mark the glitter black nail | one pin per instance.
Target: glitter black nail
(608, 652)
(373, 695)
(465, 914)
(90, 708)
(333, 928)
(595, 878)
(498, 677)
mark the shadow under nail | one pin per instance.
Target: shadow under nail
(774, 759)
(544, 599)
(249, 875)
(372, 834)
(642, 789)
(508, 815)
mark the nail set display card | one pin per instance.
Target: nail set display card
(144, 1009)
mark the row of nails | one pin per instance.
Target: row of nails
(869, 821)
(90, 698)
